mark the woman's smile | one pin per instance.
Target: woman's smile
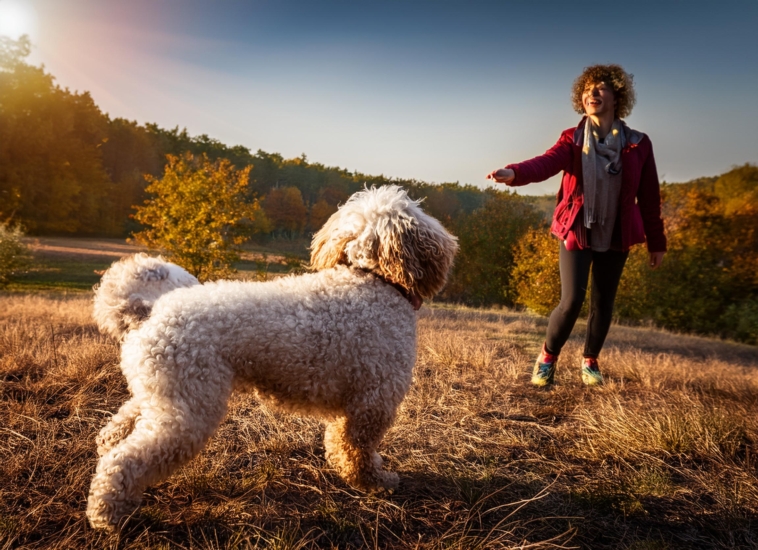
(598, 98)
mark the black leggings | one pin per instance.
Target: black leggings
(575, 270)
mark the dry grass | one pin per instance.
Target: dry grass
(661, 457)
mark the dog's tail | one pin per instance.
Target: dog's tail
(129, 288)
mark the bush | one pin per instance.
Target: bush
(14, 254)
(740, 322)
(536, 276)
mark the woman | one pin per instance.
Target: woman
(609, 200)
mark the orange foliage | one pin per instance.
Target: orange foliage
(320, 212)
(286, 210)
(197, 215)
(536, 275)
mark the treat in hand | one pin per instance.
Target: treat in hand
(502, 175)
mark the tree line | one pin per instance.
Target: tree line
(66, 167)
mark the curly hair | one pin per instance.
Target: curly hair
(614, 76)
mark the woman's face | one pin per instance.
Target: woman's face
(597, 99)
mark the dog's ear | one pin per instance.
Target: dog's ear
(328, 245)
(398, 261)
(417, 255)
(435, 249)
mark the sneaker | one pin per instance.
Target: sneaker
(544, 368)
(591, 372)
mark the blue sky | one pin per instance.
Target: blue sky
(438, 91)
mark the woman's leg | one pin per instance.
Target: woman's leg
(606, 274)
(575, 271)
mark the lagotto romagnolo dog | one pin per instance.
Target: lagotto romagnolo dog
(338, 343)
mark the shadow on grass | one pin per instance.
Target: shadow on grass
(428, 510)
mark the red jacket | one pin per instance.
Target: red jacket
(640, 199)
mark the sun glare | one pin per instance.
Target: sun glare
(16, 18)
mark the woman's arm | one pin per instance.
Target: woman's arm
(540, 168)
(649, 201)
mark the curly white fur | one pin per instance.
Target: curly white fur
(127, 291)
(339, 343)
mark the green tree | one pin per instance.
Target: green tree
(442, 203)
(51, 174)
(196, 214)
(483, 267)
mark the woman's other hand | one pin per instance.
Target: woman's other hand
(502, 175)
(656, 259)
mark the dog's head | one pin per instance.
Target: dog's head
(386, 232)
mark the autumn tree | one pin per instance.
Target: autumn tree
(708, 282)
(320, 212)
(334, 195)
(286, 210)
(536, 274)
(196, 214)
(738, 188)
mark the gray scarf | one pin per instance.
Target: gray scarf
(601, 174)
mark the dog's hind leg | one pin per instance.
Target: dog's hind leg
(351, 444)
(167, 433)
(118, 428)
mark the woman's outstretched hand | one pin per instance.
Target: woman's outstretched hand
(656, 259)
(502, 175)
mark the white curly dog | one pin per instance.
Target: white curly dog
(339, 343)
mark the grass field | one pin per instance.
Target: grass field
(663, 456)
(73, 264)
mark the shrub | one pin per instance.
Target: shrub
(740, 322)
(536, 276)
(14, 254)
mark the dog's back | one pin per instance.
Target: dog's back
(308, 341)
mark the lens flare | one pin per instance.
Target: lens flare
(16, 18)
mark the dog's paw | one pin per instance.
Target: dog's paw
(374, 482)
(387, 481)
(106, 514)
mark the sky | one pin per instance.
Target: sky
(437, 91)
